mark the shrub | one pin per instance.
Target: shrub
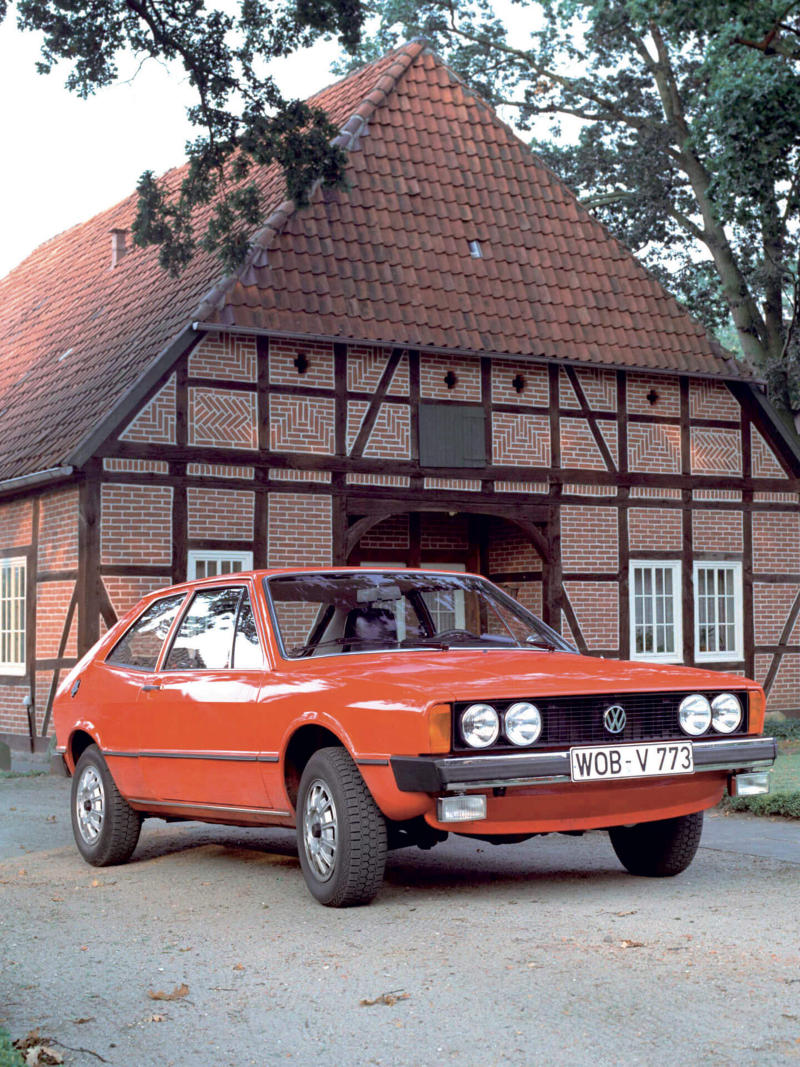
(9, 1057)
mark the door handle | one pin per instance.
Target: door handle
(149, 688)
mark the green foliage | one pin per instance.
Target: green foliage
(686, 144)
(243, 120)
(785, 804)
(9, 1057)
(786, 729)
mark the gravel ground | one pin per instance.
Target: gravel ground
(546, 952)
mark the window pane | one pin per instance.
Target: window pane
(141, 645)
(205, 637)
(246, 646)
(200, 568)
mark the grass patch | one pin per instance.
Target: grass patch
(22, 774)
(9, 1057)
(784, 780)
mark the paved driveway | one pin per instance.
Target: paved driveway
(543, 953)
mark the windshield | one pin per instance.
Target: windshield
(329, 614)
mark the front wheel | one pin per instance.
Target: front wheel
(105, 826)
(341, 833)
(658, 849)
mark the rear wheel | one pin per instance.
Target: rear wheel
(340, 830)
(105, 826)
(658, 849)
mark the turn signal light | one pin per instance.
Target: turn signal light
(757, 705)
(440, 720)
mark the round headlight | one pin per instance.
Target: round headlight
(523, 723)
(726, 713)
(694, 714)
(480, 725)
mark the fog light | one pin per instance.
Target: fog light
(748, 785)
(461, 809)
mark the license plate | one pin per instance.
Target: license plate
(631, 761)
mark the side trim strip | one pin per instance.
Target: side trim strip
(109, 752)
(268, 758)
(373, 762)
(230, 757)
(206, 807)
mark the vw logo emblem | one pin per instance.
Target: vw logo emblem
(614, 719)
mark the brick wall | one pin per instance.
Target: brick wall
(389, 533)
(717, 531)
(15, 523)
(58, 531)
(521, 440)
(283, 356)
(220, 513)
(776, 542)
(223, 355)
(535, 383)
(297, 424)
(655, 528)
(52, 604)
(155, 424)
(126, 592)
(290, 513)
(136, 524)
(589, 538)
(434, 369)
(596, 607)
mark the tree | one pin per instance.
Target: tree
(684, 137)
(243, 120)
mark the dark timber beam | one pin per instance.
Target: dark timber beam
(374, 408)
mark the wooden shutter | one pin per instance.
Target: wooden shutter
(451, 436)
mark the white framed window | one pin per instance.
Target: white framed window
(12, 616)
(718, 612)
(655, 606)
(447, 609)
(204, 564)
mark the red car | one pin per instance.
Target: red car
(375, 709)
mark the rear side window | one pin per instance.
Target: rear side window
(246, 646)
(141, 644)
(205, 638)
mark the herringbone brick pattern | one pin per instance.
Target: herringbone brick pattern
(656, 449)
(391, 434)
(356, 410)
(521, 440)
(365, 365)
(765, 463)
(712, 400)
(300, 425)
(222, 419)
(716, 451)
(224, 355)
(156, 422)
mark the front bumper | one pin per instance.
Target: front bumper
(438, 774)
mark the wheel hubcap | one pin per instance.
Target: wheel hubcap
(91, 805)
(320, 830)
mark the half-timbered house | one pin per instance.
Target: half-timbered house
(449, 363)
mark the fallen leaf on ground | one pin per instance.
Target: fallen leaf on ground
(631, 944)
(22, 872)
(238, 967)
(84, 948)
(58, 900)
(189, 949)
(626, 913)
(385, 998)
(157, 1019)
(96, 883)
(80, 1022)
(51, 818)
(179, 991)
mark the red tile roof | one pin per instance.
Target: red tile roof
(432, 167)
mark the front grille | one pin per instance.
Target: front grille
(579, 719)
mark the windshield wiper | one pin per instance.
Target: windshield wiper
(381, 641)
(541, 642)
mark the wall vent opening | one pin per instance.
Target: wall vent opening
(475, 250)
(119, 246)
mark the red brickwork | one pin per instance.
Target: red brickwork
(521, 440)
(536, 390)
(589, 538)
(651, 493)
(785, 692)
(667, 390)
(155, 423)
(776, 542)
(220, 513)
(772, 603)
(298, 424)
(356, 410)
(717, 531)
(521, 487)
(456, 485)
(289, 475)
(217, 470)
(136, 524)
(307, 514)
(582, 489)
(765, 462)
(389, 533)
(226, 356)
(579, 448)
(443, 532)
(391, 434)
(283, 369)
(52, 603)
(712, 400)
(655, 529)
(16, 523)
(509, 550)
(716, 451)
(600, 388)
(365, 366)
(529, 594)
(434, 369)
(13, 714)
(136, 466)
(219, 418)
(391, 481)
(596, 607)
(125, 593)
(655, 449)
(58, 531)
(730, 495)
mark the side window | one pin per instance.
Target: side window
(246, 646)
(141, 645)
(656, 615)
(205, 638)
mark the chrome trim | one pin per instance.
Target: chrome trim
(206, 807)
(229, 757)
(504, 783)
(268, 758)
(109, 752)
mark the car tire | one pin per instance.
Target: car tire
(658, 849)
(341, 832)
(107, 831)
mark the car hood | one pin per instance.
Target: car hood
(467, 674)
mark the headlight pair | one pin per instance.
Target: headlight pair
(695, 714)
(481, 724)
